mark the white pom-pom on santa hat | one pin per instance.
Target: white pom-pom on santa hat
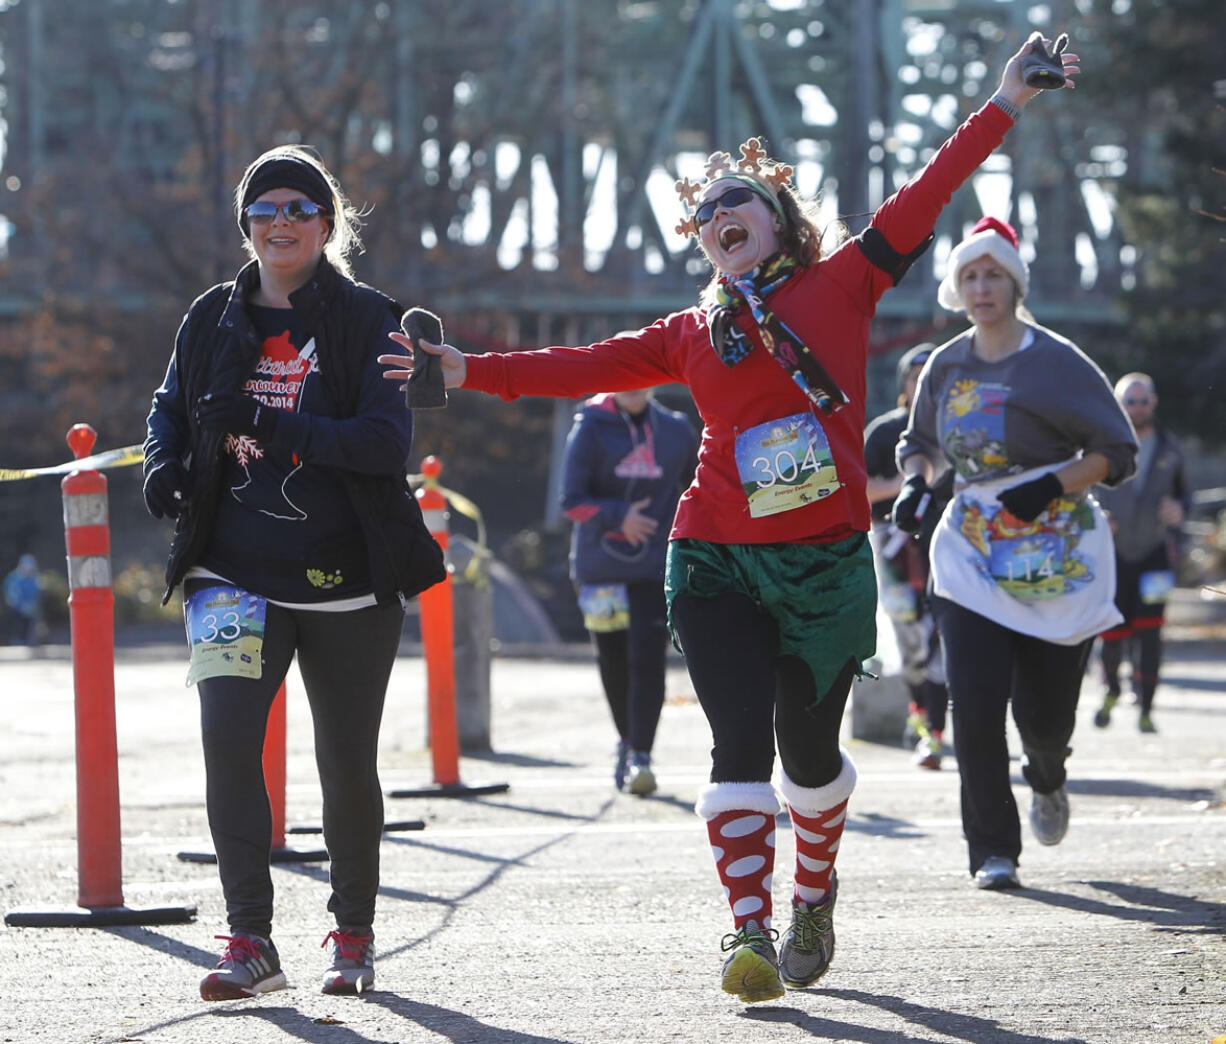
(990, 237)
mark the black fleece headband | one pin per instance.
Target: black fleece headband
(289, 173)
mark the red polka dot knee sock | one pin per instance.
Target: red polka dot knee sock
(817, 846)
(818, 817)
(743, 844)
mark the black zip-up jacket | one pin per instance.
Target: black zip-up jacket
(215, 351)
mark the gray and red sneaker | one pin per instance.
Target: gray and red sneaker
(249, 966)
(353, 958)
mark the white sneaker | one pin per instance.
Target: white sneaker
(640, 780)
(997, 872)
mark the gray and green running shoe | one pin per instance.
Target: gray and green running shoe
(808, 944)
(751, 971)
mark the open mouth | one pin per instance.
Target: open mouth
(731, 235)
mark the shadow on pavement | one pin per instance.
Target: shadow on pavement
(165, 944)
(451, 904)
(1165, 911)
(452, 1025)
(1137, 789)
(519, 760)
(882, 826)
(951, 1024)
(1186, 681)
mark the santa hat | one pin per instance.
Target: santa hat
(989, 238)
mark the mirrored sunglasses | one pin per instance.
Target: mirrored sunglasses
(296, 211)
(734, 197)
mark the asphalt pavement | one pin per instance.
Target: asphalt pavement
(561, 911)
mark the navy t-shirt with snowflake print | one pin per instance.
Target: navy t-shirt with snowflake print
(285, 528)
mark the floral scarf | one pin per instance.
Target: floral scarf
(789, 351)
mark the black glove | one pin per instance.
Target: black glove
(1029, 500)
(1043, 70)
(425, 388)
(908, 511)
(166, 489)
(237, 414)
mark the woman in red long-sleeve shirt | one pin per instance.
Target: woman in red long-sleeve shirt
(770, 577)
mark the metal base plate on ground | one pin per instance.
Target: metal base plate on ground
(277, 855)
(456, 790)
(99, 917)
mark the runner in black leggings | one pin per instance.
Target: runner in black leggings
(281, 453)
(345, 660)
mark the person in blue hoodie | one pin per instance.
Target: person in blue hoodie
(627, 461)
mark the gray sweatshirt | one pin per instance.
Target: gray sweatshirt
(1041, 405)
(1133, 507)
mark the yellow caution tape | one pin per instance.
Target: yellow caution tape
(474, 574)
(116, 458)
(129, 455)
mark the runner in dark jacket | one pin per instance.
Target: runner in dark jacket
(628, 459)
(282, 454)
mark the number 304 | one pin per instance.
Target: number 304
(783, 467)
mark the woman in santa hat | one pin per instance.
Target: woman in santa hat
(1022, 560)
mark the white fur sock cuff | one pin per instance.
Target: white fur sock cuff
(715, 798)
(818, 799)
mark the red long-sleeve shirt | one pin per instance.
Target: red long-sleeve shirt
(829, 305)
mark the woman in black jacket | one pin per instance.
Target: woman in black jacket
(281, 452)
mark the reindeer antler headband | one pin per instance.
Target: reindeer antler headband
(755, 169)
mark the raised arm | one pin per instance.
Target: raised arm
(904, 222)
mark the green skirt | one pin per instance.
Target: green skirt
(822, 597)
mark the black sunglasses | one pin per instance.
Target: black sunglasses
(1136, 402)
(296, 211)
(734, 197)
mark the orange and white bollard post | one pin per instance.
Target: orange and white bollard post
(91, 610)
(438, 642)
(437, 630)
(91, 605)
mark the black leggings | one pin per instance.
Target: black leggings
(345, 660)
(752, 696)
(986, 667)
(1145, 650)
(632, 665)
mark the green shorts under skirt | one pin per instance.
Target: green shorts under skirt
(822, 597)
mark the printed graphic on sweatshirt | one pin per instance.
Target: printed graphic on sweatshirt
(640, 462)
(785, 464)
(1032, 561)
(278, 381)
(973, 429)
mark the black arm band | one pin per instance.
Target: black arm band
(880, 254)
